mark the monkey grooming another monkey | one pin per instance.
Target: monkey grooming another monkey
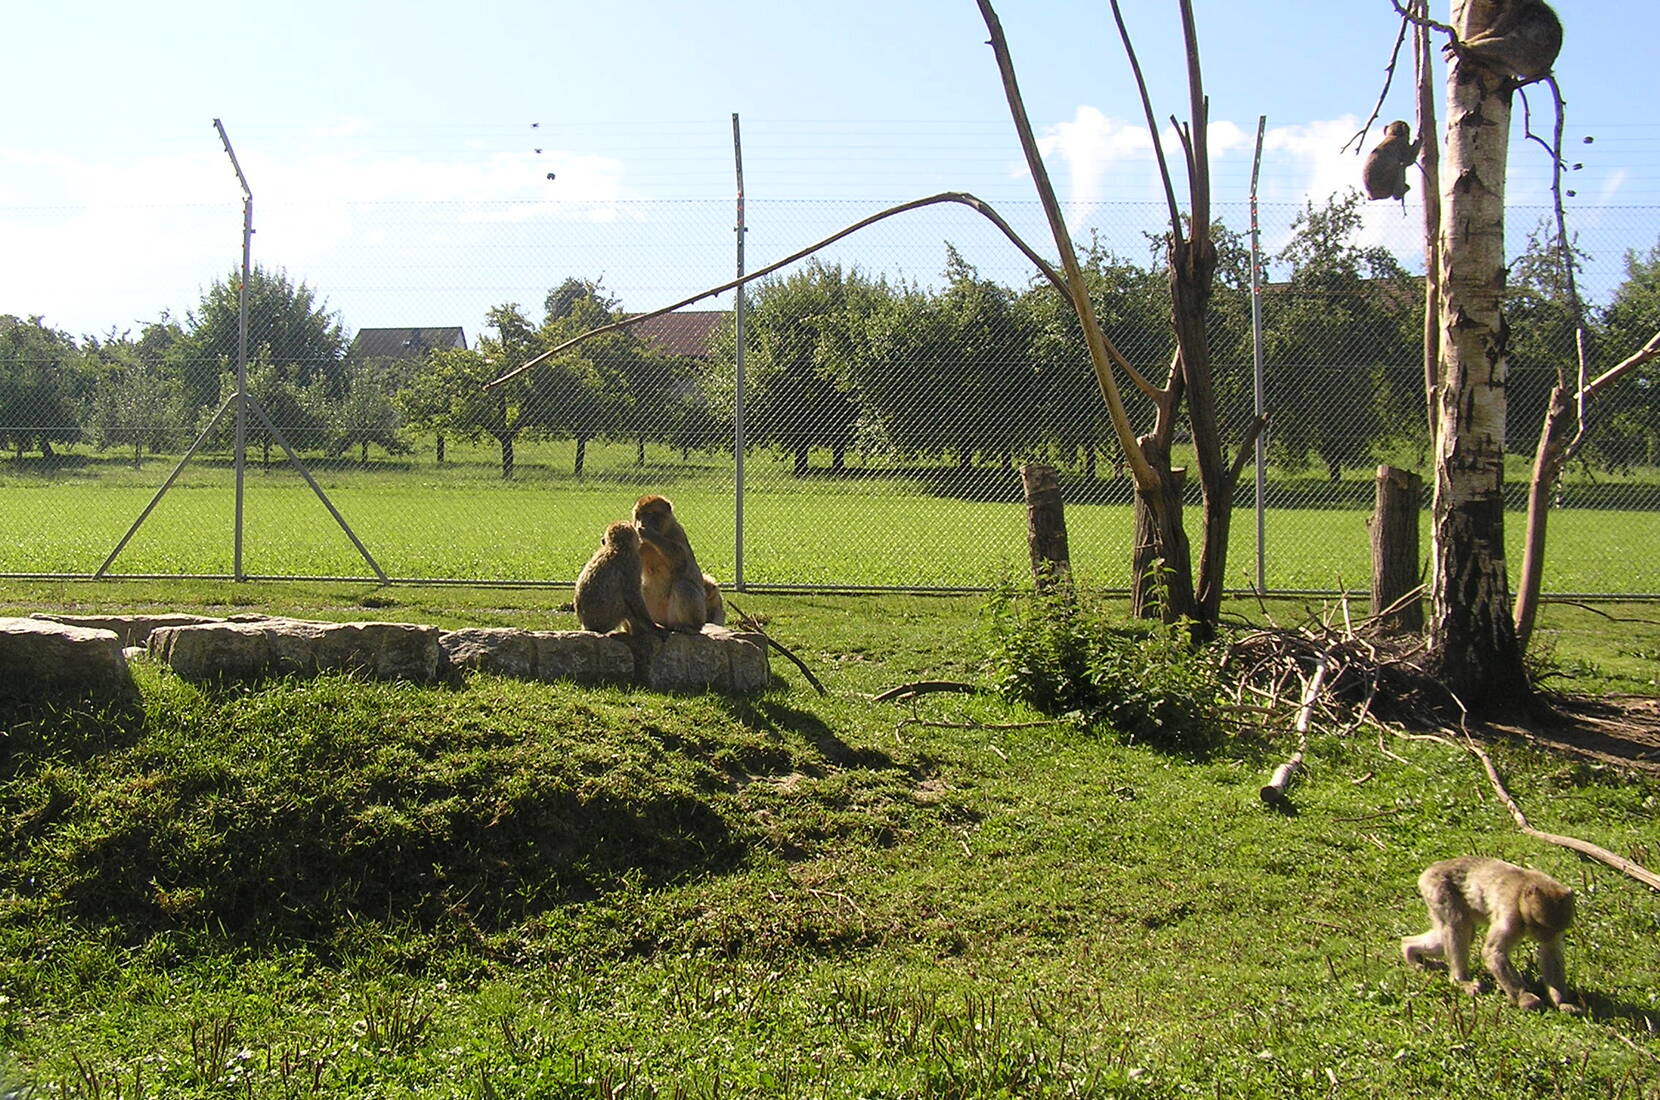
(1523, 40)
(608, 590)
(1516, 902)
(671, 581)
(1386, 165)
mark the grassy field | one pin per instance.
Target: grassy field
(504, 889)
(465, 523)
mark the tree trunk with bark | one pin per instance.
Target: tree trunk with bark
(1046, 528)
(1473, 643)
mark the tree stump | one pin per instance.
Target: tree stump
(1046, 528)
(1147, 585)
(1395, 560)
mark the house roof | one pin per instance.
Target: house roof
(406, 343)
(688, 332)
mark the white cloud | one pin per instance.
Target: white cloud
(91, 243)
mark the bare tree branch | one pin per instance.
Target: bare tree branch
(1145, 476)
(1152, 123)
(959, 197)
(1359, 140)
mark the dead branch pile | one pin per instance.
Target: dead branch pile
(1377, 677)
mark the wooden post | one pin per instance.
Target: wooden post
(1395, 561)
(1046, 527)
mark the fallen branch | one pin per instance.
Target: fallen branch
(1583, 847)
(751, 623)
(905, 692)
(1273, 792)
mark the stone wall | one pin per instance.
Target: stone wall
(50, 656)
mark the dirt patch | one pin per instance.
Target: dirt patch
(1615, 729)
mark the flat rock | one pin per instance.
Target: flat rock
(298, 647)
(716, 659)
(131, 629)
(47, 662)
(576, 655)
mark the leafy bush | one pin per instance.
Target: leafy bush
(1065, 655)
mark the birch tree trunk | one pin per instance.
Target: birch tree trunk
(1472, 638)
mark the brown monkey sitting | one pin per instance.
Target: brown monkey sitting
(1516, 902)
(1386, 165)
(671, 581)
(1523, 40)
(715, 607)
(608, 590)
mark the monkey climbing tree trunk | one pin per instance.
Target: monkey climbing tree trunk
(1472, 638)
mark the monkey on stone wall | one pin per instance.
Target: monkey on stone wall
(1386, 165)
(1523, 39)
(608, 591)
(714, 605)
(671, 581)
(1516, 903)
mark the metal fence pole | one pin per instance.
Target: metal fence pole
(241, 345)
(1256, 360)
(738, 366)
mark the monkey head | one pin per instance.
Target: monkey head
(653, 513)
(622, 536)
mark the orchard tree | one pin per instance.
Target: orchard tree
(289, 328)
(1335, 330)
(43, 381)
(806, 332)
(135, 401)
(1627, 417)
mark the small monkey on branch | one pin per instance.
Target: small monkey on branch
(1386, 165)
(1516, 903)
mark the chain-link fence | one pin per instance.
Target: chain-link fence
(889, 389)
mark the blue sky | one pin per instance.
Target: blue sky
(114, 191)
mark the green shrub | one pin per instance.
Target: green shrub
(1066, 655)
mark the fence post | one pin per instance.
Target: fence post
(738, 443)
(1394, 525)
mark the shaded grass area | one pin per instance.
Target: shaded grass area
(502, 889)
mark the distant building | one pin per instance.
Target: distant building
(687, 333)
(405, 343)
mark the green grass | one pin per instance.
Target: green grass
(466, 524)
(505, 889)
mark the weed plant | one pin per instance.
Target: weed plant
(1066, 655)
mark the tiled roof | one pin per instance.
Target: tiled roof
(688, 332)
(405, 343)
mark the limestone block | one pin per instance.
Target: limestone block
(715, 659)
(583, 657)
(132, 629)
(297, 647)
(500, 650)
(43, 662)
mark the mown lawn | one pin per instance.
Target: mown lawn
(500, 889)
(822, 532)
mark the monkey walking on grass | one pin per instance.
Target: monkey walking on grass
(1516, 903)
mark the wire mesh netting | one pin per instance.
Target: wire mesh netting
(891, 386)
